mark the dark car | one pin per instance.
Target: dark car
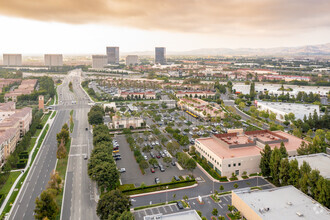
(176, 178)
(173, 163)
(179, 204)
(86, 129)
(116, 155)
(157, 180)
(117, 158)
(152, 154)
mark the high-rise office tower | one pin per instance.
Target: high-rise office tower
(99, 61)
(113, 55)
(12, 59)
(132, 60)
(160, 55)
(53, 60)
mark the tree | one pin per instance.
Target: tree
(173, 147)
(235, 185)
(126, 215)
(305, 168)
(274, 165)
(303, 183)
(55, 181)
(265, 160)
(215, 212)
(46, 206)
(106, 175)
(111, 202)
(314, 176)
(221, 188)
(61, 150)
(322, 188)
(167, 160)
(283, 151)
(153, 161)
(191, 165)
(293, 173)
(230, 208)
(284, 171)
(252, 91)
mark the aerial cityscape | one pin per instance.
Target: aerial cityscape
(190, 110)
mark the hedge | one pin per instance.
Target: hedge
(21, 163)
(2, 197)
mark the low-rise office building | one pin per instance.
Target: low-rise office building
(237, 153)
(195, 94)
(285, 202)
(320, 162)
(199, 108)
(281, 109)
(126, 122)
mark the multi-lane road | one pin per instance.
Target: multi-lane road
(79, 196)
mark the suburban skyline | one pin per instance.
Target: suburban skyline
(85, 28)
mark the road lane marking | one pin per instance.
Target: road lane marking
(225, 198)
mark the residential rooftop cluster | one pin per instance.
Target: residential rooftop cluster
(26, 87)
(14, 123)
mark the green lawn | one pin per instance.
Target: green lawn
(45, 118)
(9, 183)
(32, 143)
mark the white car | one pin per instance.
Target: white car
(122, 170)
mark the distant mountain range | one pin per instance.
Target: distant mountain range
(321, 49)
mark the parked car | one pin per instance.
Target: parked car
(156, 142)
(116, 155)
(152, 155)
(122, 170)
(85, 157)
(179, 204)
(158, 156)
(173, 163)
(157, 180)
(115, 151)
(117, 158)
(152, 170)
(176, 178)
(161, 168)
(154, 166)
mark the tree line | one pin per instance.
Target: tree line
(95, 115)
(282, 171)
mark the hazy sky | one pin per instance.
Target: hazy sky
(88, 26)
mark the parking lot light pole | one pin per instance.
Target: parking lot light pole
(166, 195)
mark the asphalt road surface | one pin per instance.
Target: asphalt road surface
(79, 200)
(44, 163)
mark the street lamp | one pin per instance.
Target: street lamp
(166, 194)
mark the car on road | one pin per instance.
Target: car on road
(117, 158)
(116, 155)
(173, 163)
(179, 204)
(115, 151)
(122, 170)
(176, 178)
(85, 157)
(157, 180)
(152, 170)
(86, 129)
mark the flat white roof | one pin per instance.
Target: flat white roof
(285, 202)
(320, 161)
(186, 215)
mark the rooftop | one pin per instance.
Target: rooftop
(286, 202)
(186, 215)
(320, 161)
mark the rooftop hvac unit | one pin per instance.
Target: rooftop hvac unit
(300, 214)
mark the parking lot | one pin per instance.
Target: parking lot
(133, 173)
(205, 207)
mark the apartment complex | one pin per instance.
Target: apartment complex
(12, 59)
(7, 82)
(53, 60)
(99, 61)
(195, 94)
(160, 55)
(281, 109)
(113, 55)
(199, 108)
(125, 122)
(14, 123)
(132, 60)
(285, 202)
(27, 87)
(235, 153)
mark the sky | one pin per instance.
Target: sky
(88, 26)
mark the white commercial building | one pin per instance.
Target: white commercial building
(53, 60)
(99, 61)
(12, 59)
(132, 60)
(281, 109)
(285, 202)
(320, 162)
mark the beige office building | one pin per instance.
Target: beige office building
(99, 61)
(12, 59)
(53, 60)
(132, 60)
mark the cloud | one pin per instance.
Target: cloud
(227, 17)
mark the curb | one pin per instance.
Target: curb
(164, 191)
